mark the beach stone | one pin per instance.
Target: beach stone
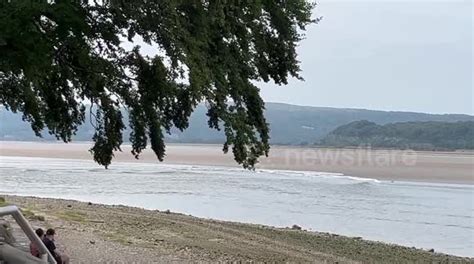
(37, 218)
(296, 227)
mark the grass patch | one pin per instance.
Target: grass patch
(117, 238)
(30, 215)
(74, 216)
(3, 201)
(27, 213)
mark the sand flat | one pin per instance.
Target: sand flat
(396, 165)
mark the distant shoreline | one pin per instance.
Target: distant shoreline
(381, 164)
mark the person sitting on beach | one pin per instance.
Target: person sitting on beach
(33, 247)
(48, 241)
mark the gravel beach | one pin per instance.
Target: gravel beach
(94, 233)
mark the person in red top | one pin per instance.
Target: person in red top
(33, 247)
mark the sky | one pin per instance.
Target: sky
(385, 55)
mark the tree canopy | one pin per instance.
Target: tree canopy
(58, 58)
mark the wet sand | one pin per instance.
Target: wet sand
(395, 165)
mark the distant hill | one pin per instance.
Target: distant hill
(430, 135)
(290, 124)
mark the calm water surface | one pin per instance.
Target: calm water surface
(426, 215)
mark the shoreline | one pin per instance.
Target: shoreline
(385, 165)
(169, 237)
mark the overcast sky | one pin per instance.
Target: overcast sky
(398, 55)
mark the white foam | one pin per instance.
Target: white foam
(319, 174)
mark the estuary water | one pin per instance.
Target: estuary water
(424, 215)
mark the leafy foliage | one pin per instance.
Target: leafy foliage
(415, 135)
(59, 57)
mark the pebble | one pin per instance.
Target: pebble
(296, 227)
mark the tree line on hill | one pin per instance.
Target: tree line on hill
(289, 124)
(429, 135)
